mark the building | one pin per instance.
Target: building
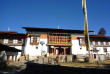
(63, 41)
(47, 41)
(12, 44)
(6, 52)
(100, 43)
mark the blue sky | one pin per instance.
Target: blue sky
(68, 14)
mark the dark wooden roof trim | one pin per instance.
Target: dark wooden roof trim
(11, 32)
(7, 48)
(4, 34)
(53, 30)
(98, 36)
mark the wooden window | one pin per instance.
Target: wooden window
(105, 49)
(59, 38)
(38, 39)
(5, 41)
(34, 40)
(82, 41)
(15, 41)
(31, 39)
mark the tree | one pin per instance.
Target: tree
(102, 31)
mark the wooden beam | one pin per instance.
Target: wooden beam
(54, 51)
(64, 51)
(64, 47)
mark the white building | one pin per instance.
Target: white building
(15, 40)
(65, 42)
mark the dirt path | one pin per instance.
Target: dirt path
(13, 68)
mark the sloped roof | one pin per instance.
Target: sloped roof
(99, 36)
(11, 33)
(7, 48)
(53, 30)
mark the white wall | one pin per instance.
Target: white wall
(101, 50)
(31, 49)
(44, 47)
(108, 50)
(76, 48)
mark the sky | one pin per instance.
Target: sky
(67, 14)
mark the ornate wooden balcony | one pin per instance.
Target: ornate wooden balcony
(58, 43)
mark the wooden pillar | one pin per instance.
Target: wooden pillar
(8, 59)
(54, 51)
(15, 58)
(12, 58)
(70, 51)
(64, 51)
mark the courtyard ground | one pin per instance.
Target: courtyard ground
(20, 66)
(12, 68)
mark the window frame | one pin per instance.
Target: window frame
(15, 41)
(5, 41)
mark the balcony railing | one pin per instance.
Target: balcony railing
(10, 43)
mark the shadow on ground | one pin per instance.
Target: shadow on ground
(34, 68)
(12, 68)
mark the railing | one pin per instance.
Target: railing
(11, 43)
(58, 42)
(34, 43)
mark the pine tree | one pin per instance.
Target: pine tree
(102, 31)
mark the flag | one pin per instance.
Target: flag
(86, 25)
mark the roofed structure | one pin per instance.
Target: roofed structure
(7, 48)
(53, 30)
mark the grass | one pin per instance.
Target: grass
(101, 64)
